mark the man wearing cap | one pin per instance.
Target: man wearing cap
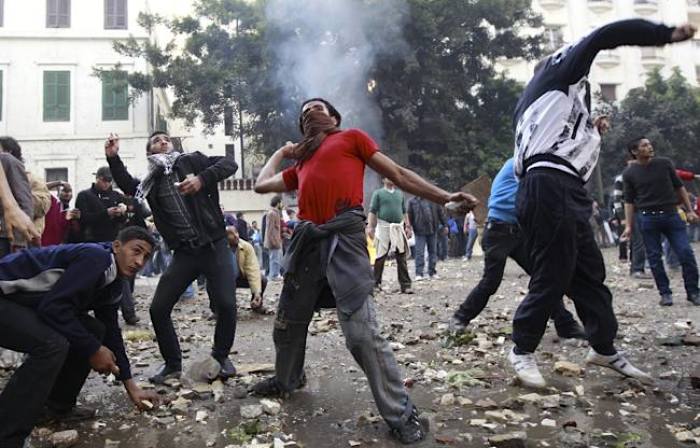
(102, 213)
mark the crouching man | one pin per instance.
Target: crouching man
(45, 296)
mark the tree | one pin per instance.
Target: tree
(667, 112)
(442, 106)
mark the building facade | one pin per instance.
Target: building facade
(616, 72)
(53, 103)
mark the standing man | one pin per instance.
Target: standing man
(182, 192)
(273, 238)
(503, 239)
(102, 210)
(634, 245)
(45, 296)
(248, 269)
(426, 219)
(472, 232)
(556, 150)
(328, 262)
(387, 219)
(652, 192)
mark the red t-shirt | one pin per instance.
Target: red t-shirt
(332, 179)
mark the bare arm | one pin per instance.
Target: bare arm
(412, 183)
(629, 221)
(15, 218)
(269, 180)
(371, 224)
(684, 199)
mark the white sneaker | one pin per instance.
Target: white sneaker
(419, 278)
(435, 277)
(526, 369)
(620, 364)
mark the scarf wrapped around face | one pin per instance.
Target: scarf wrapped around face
(317, 126)
(157, 164)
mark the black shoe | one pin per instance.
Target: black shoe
(407, 290)
(666, 300)
(694, 299)
(574, 331)
(413, 430)
(457, 325)
(166, 372)
(228, 370)
(269, 387)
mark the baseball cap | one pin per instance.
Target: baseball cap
(104, 173)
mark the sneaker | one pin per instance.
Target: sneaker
(666, 300)
(166, 372)
(640, 275)
(574, 331)
(132, 320)
(228, 370)
(419, 278)
(618, 363)
(456, 325)
(434, 277)
(406, 290)
(694, 299)
(413, 430)
(526, 369)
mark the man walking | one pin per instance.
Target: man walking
(183, 195)
(328, 263)
(386, 221)
(652, 192)
(273, 238)
(45, 296)
(556, 150)
(503, 239)
(426, 219)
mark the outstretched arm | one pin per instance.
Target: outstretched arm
(125, 181)
(412, 183)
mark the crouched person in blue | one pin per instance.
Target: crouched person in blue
(45, 296)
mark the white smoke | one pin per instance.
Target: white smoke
(327, 48)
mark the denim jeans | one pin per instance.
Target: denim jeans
(421, 242)
(673, 228)
(638, 257)
(442, 244)
(275, 262)
(473, 233)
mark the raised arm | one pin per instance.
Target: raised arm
(125, 181)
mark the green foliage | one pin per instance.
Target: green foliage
(444, 109)
(666, 111)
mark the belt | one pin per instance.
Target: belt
(502, 226)
(658, 211)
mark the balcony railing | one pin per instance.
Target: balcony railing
(600, 5)
(236, 184)
(652, 56)
(552, 4)
(646, 6)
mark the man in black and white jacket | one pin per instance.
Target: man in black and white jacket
(556, 149)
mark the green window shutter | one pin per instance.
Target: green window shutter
(115, 100)
(56, 96)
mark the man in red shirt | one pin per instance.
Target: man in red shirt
(327, 264)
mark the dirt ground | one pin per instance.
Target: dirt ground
(464, 386)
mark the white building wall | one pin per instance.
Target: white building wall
(625, 67)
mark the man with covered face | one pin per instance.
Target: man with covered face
(182, 193)
(327, 264)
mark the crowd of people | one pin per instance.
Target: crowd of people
(60, 262)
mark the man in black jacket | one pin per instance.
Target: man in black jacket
(182, 192)
(102, 210)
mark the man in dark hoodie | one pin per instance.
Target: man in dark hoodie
(45, 296)
(182, 193)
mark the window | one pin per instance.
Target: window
(58, 13)
(609, 92)
(115, 15)
(231, 151)
(553, 37)
(228, 120)
(56, 96)
(54, 174)
(115, 96)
